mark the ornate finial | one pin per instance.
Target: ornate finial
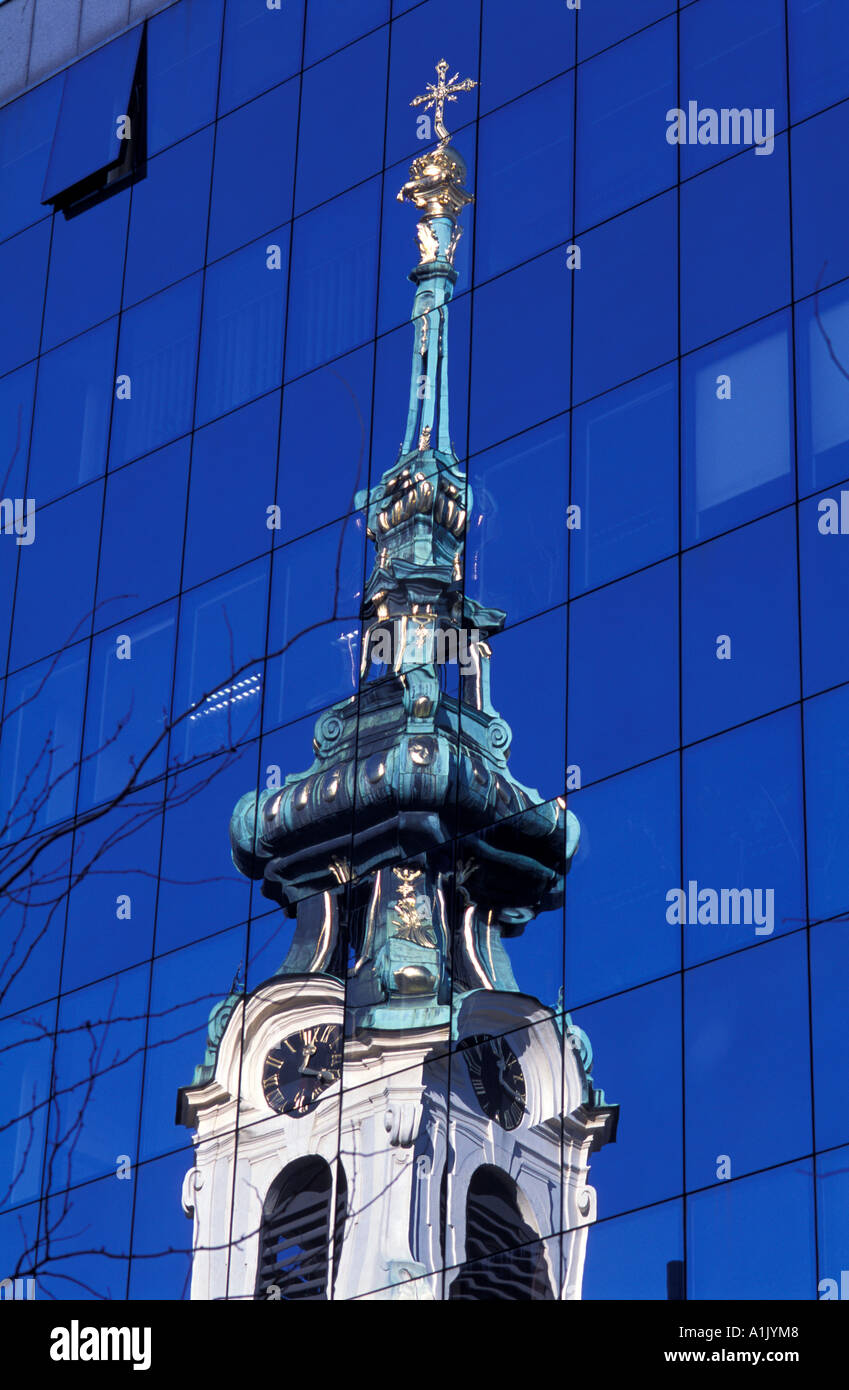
(438, 93)
(437, 177)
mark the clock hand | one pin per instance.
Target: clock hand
(511, 1091)
(502, 1067)
(325, 1075)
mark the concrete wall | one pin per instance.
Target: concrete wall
(37, 37)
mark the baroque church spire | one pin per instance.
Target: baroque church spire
(399, 1098)
(358, 847)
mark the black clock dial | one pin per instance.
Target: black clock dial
(497, 1079)
(301, 1067)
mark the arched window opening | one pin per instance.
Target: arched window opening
(504, 1255)
(295, 1234)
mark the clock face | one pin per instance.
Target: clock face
(301, 1067)
(497, 1079)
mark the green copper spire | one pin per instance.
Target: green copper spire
(360, 847)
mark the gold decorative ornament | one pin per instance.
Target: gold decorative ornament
(410, 923)
(437, 93)
(437, 177)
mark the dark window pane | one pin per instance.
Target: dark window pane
(652, 1014)
(333, 23)
(36, 919)
(234, 463)
(241, 350)
(623, 667)
(115, 1010)
(249, 196)
(8, 570)
(627, 858)
(86, 269)
(203, 895)
(142, 543)
(517, 57)
(334, 264)
(833, 1218)
(820, 201)
(819, 55)
(321, 664)
(603, 25)
(16, 391)
(742, 207)
(156, 1183)
(516, 552)
(538, 749)
(25, 1091)
(97, 92)
(625, 479)
(261, 48)
(829, 971)
(178, 1018)
(625, 301)
(331, 90)
(129, 695)
(157, 352)
(623, 97)
(631, 1257)
(26, 134)
(55, 596)
(743, 829)
(74, 399)
(740, 626)
(732, 56)
(39, 753)
(23, 261)
(182, 70)
(222, 637)
(827, 786)
(527, 146)
(753, 1239)
(161, 248)
(324, 444)
(534, 384)
(115, 856)
(764, 995)
(103, 1209)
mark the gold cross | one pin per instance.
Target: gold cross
(439, 92)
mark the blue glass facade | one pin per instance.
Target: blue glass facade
(649, 376)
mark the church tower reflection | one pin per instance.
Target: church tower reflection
(389, 1116)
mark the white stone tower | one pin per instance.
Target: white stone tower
(422, 1131)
